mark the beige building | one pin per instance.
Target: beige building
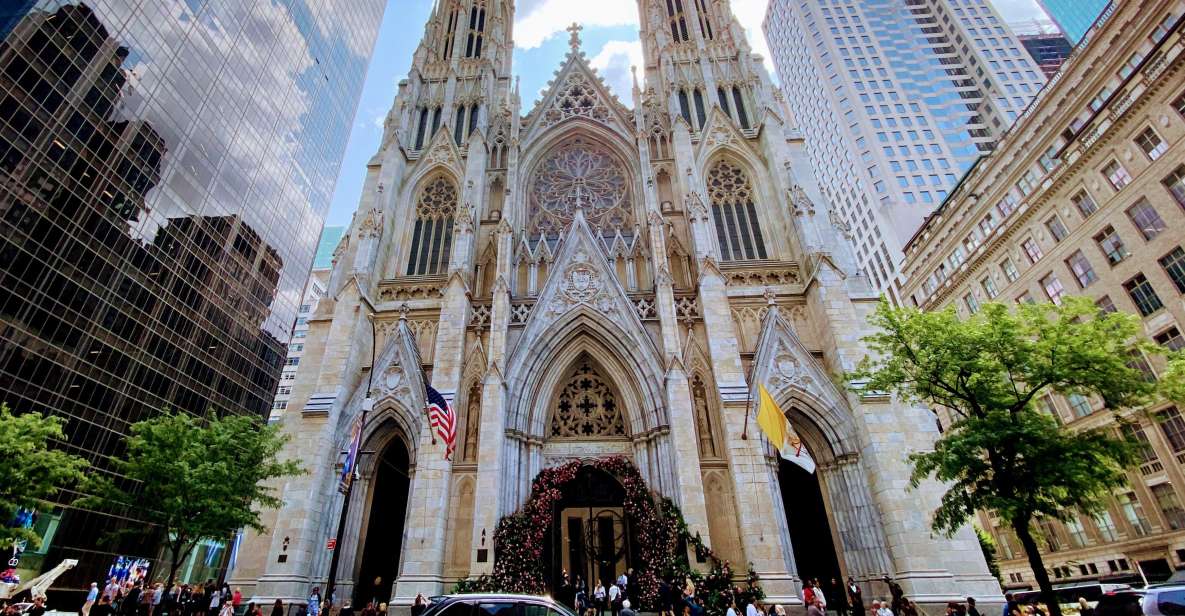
(584, 280)
(1086, 195)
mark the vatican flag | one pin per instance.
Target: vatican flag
(777, 429)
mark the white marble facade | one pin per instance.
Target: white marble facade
(587, 279)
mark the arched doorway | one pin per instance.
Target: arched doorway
(809, 526)
(383, 542)
(591, 536)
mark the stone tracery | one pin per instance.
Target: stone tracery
(586, 406)
(579, 174)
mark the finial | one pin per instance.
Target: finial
(574, 38)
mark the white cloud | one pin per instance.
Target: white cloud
(613, 64)
(551, 17)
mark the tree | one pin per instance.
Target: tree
(30, 472)
(987, 372)
(196, 482)
(988, 546)
(1172, 380)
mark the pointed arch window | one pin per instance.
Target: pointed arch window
(477, 29)
(678, 20)
(705, 19)
(421, 127)
(722, 96)
(450, 33)
(739, 103)
(464, 122)
(432, 236)
(685, 107)
(700, 114)
(734, 213)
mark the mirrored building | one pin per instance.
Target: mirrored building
(165, 170)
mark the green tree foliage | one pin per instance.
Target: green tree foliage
(1001, 453)
(1172, 380)
(31, 472)
(988, 546)
(196, 481)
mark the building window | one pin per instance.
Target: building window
(705, 19)
(989, 286)
(1105, 304)
(1133, 512)
(284, 391)
(677, 20)
(1140, 363)
(1106, 526)
(1146, 219)
(1174, 265)
(971, 303)
(1170, 339)
(292, 361)
(1080, 266)
(477, 28)
(432, 235)
(295, 348)
(1077, 532)
(1173, 427)
(1057, 229)
(1111, 245)
(1175, 184)
(1143, 295)
(1135, 432)
(1151, 144)
(1169, 505)
(1009, 270)
(1053, 288)
(288, 376)
(1080, 404)
(1116, 175)
(1032, 250)
(1085, 204)
(280, 405)
(734, 213)
(1049, 532)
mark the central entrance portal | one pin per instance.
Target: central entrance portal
(591, 537)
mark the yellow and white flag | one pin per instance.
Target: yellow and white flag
(777, 429)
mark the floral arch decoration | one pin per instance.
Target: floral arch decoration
(520, 564)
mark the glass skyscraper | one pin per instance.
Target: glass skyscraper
(1074, 17)
(165, 170)
(896, 99)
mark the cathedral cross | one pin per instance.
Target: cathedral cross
(574, 38)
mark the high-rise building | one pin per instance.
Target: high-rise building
(1074, 17)
(1047, 50)
(896, 100)
(1086, 196)
(313, 292)
(165, 169)
(594, 286)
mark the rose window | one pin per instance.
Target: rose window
(579, 174)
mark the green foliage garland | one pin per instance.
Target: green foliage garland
(520, 566)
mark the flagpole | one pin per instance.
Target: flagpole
(748, 398)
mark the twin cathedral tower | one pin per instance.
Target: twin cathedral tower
(584, 280)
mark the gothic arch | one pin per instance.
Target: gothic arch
(407, 208)
(766, 206)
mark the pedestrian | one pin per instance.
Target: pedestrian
(38, 607)
(897, 593)
(1084, 608)
(820, 596)
(1010, 605)
(752, 609)
(419, 605)
(815, 608)
(664, 594)
(92, 595)
(227, 609)
(314, 603)
(214, 605)
(278, 608)
(908, 608)
(103, 607)
(614, 599)
(884, 609)
(839, 598)
(625, 608)
(146, 599)
(580, 602)
(732, 607)
(623, 582)
(111, 590)
(808, 594)
(855, 597)
(130, 606)
(599, 597)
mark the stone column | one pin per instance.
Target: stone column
(490, 449)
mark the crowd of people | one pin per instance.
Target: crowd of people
(135, 598)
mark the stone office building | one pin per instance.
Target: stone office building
(586, 280)
(1086, 195)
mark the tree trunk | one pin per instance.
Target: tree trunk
(1037, 565)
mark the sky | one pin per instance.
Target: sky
(610, 41)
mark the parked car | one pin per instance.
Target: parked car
(1164, 600)
(1120, 603)
(496, 604)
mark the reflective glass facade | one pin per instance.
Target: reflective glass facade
(1074, 17)
(165, 170)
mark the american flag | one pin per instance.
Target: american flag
(443, 420)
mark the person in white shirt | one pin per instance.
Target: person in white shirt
(614, 599)
(820, 597)
(732, 609)
(599, 597)
(752, 609)
(884, 609)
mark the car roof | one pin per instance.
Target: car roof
(498, 595)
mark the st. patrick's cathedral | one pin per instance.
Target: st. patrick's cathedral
(584, 280)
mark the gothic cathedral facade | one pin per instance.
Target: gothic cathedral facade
(582, 279)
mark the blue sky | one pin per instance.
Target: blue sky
(610, 41)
